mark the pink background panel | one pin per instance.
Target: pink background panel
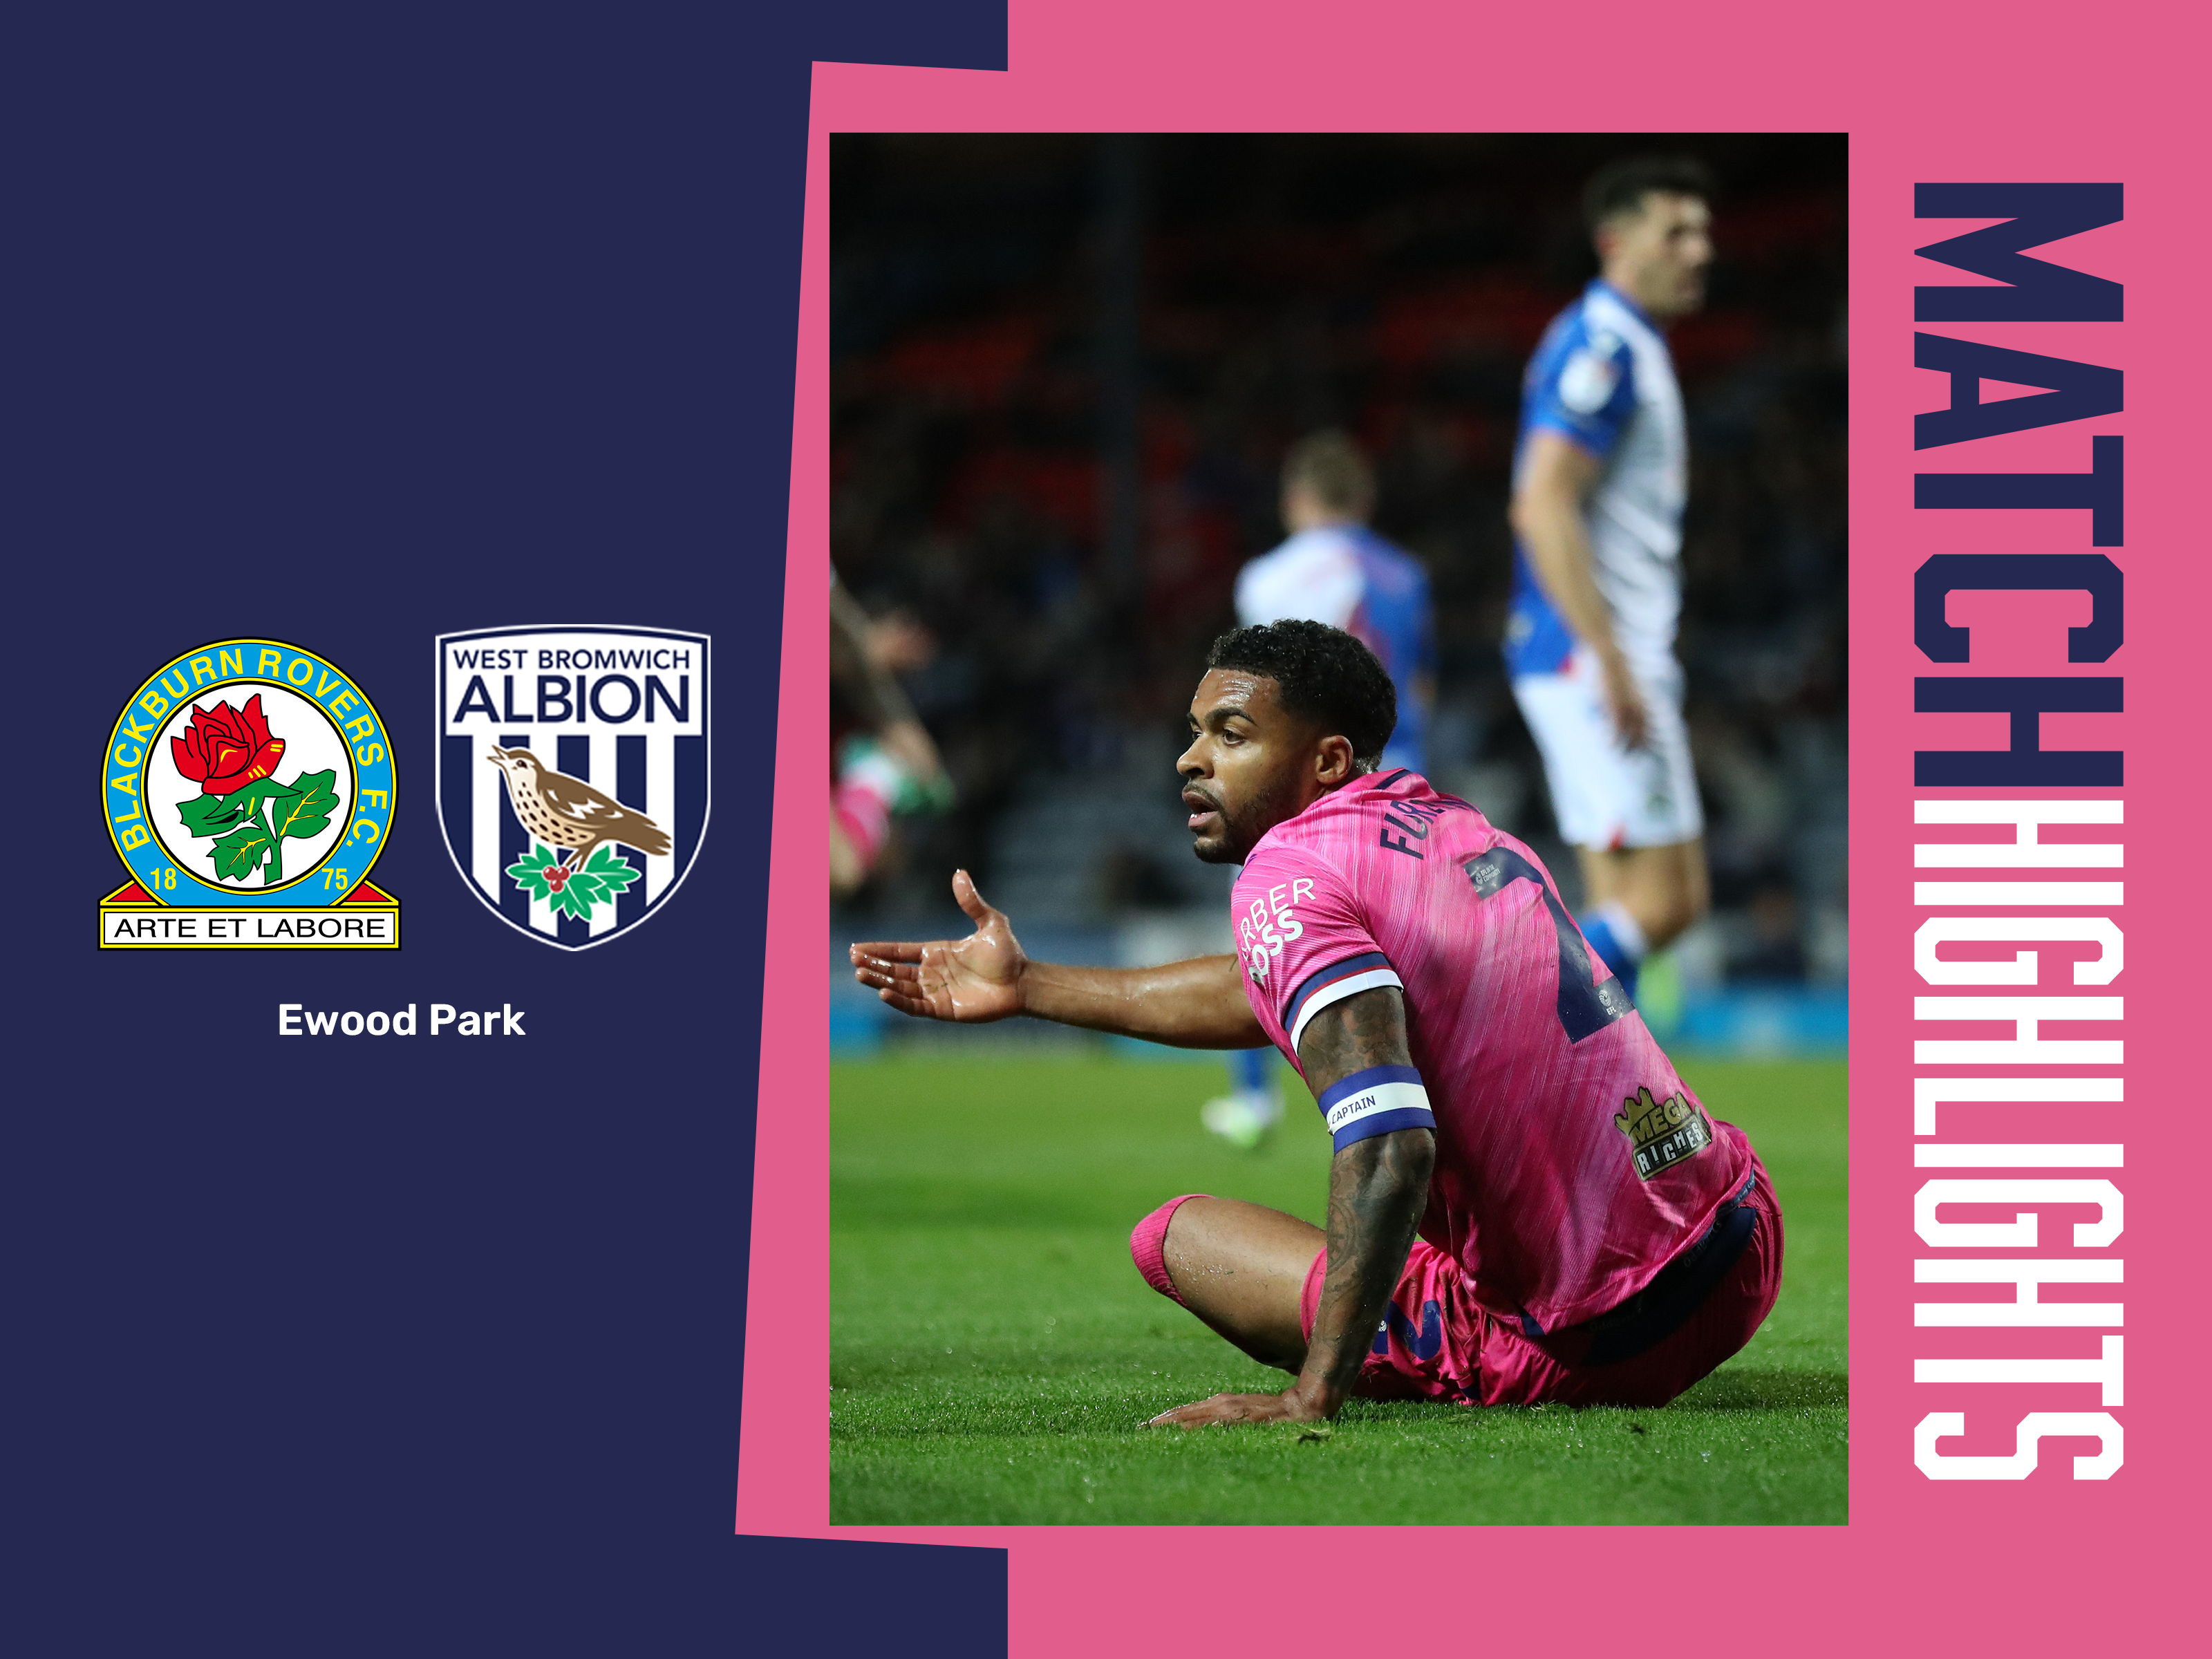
(1962, 93)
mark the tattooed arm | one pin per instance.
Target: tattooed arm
(1377, 1189)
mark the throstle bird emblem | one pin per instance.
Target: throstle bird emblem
(568, 813)
(606, 840)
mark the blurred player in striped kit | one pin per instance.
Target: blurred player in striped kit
(1600, 478)
(1334, 570)
(883, 764)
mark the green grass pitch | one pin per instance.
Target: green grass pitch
(993, 1352)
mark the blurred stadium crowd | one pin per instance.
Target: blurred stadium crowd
(1064, 369)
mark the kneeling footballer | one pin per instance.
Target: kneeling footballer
(1525, 1202)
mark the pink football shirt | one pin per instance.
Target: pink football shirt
(1571, 1162)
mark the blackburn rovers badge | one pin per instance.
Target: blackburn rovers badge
(249, 790)
(572, 773)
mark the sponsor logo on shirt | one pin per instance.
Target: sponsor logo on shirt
(1268, 923)
(1663, 1132)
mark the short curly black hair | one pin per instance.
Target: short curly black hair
(1322, 674)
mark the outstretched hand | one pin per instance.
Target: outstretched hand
(975, 979)
(1289, 1406)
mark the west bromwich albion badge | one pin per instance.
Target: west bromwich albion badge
(249, 789)
(572, 773)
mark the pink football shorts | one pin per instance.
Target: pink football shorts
(1436, 1344)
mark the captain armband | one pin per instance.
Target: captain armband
(1374, 1101)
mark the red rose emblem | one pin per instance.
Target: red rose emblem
(225, 748)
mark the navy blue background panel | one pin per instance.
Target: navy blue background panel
(350, 329)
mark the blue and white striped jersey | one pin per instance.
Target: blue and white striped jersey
(1602, 378)
(1349, 577)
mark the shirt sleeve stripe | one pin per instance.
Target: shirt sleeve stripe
(1366, 959)
(1373, 1076)
(1336, 991)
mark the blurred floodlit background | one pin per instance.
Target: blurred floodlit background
(1064, 372)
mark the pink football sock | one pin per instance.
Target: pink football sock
(1147, 1241)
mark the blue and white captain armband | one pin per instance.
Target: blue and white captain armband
(1374, 1102)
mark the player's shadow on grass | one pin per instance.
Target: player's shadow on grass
(1739, 1389)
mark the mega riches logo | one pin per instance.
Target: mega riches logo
(249, 790)
(572, 773)
(1662, 1133)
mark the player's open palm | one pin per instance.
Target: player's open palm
(974, 979)
(1288, 1407)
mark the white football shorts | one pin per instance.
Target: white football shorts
(1604, 795)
